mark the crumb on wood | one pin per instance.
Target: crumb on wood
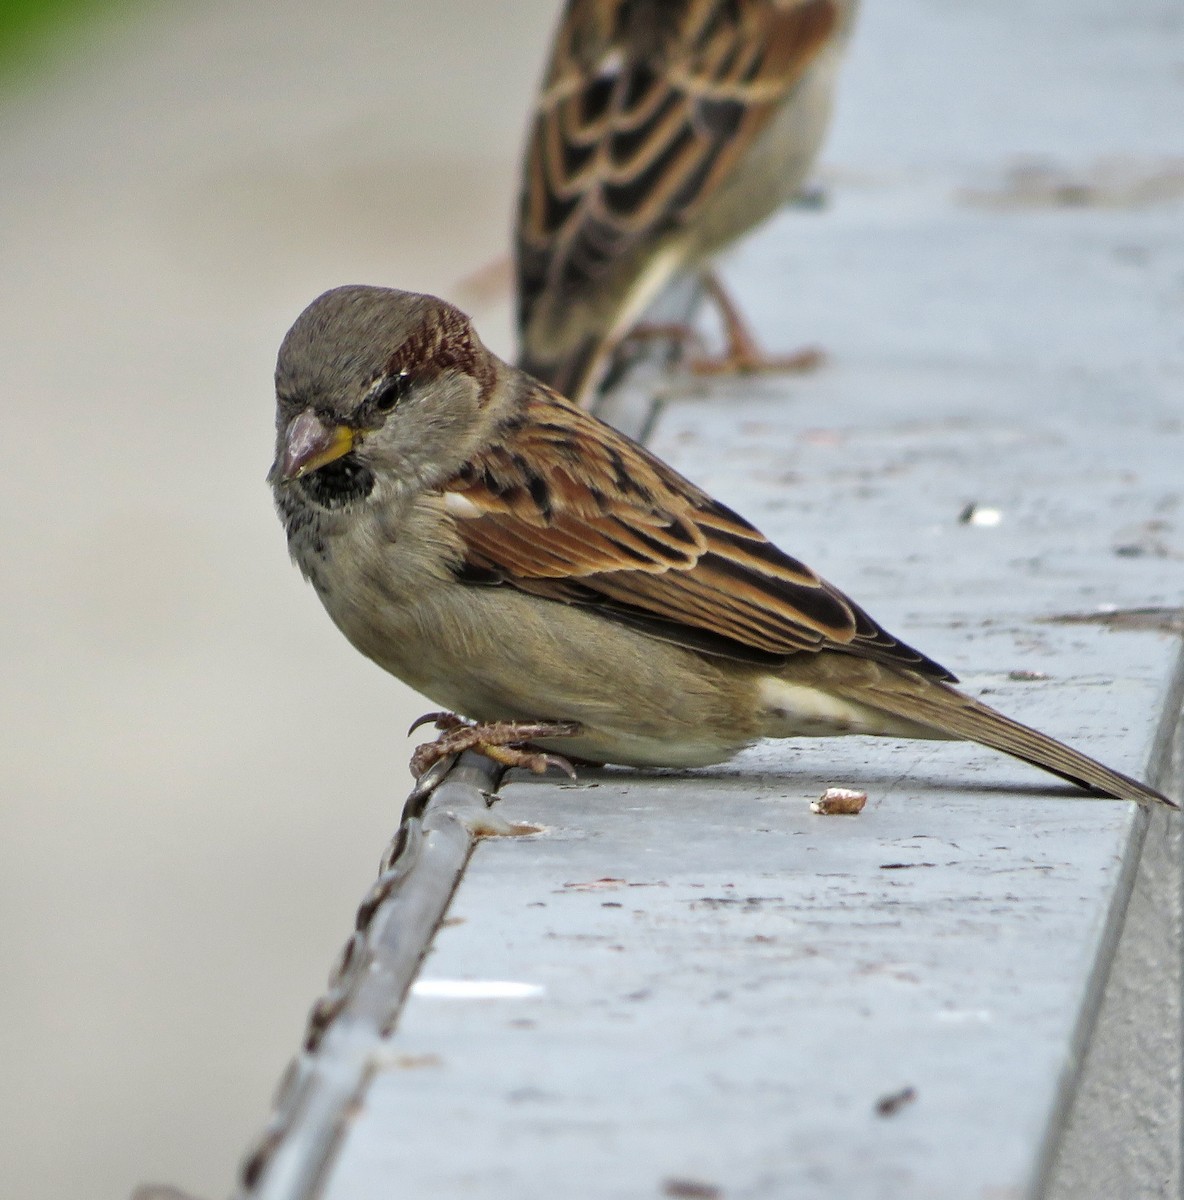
(691, 1189)
(837, 801)
(891, 1104)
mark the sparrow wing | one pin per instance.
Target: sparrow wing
(561, 505)
(645, 109)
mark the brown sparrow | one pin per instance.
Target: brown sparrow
(664, 130)
(514, 558)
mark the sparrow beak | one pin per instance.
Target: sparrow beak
(309, 443)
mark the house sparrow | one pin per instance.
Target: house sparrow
(664, 130)
(514, 558)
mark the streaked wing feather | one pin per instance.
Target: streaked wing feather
(646, 107)
(563, 506)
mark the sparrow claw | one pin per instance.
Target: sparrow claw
(425, 784)
(743, 355)
(441, 720)
(560, 764)
(506, 742)
(736, 361)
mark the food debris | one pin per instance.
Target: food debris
(837, 801)
(1111, 182)
(890, 1105)
(416, 1062)
(691, 1189)
(1155, 620)
(977, 514)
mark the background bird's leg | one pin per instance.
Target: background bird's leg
(678, 332)
(742, 355)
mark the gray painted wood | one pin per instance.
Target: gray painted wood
(718, 987)
(730, 983)
(343, 1045)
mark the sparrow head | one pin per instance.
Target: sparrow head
(375, 385)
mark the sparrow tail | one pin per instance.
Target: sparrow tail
(951, 712)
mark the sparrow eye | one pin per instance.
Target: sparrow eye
(390, 390)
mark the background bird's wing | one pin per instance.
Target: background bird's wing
(564, 507)
(645, 109)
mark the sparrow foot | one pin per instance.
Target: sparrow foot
(743, 354)
(735, 361)
(506, 742)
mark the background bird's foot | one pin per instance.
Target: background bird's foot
(679, 333)
(755, 361)
(506, 742)
(742, 354)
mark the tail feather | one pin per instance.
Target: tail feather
(950, 711)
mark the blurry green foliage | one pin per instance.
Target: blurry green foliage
(29, 26)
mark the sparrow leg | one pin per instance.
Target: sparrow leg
(682, 339)
(743, 355)
(506, 742)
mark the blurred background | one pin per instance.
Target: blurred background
(198, 772)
